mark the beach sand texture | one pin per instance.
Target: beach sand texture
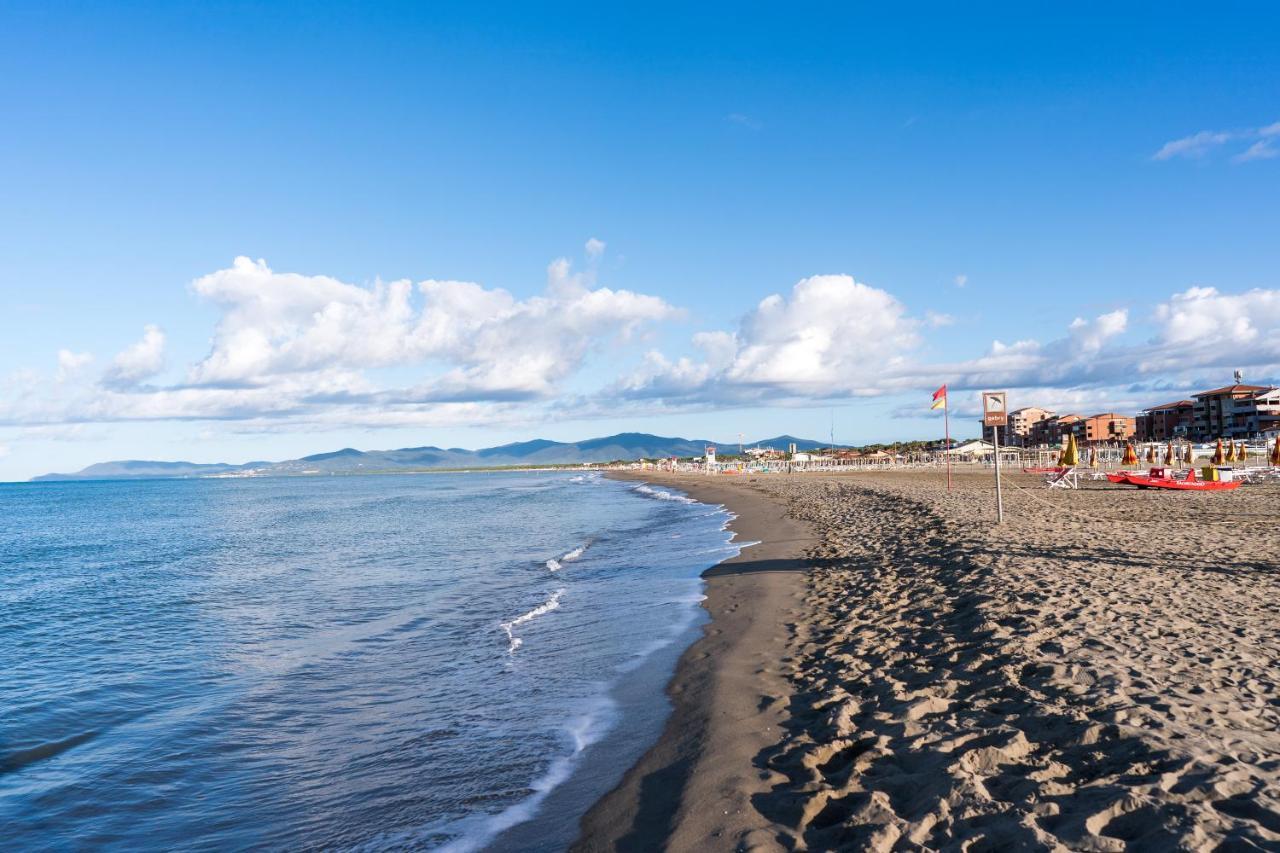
(1099, 673)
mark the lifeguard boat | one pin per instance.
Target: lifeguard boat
(1157, 478)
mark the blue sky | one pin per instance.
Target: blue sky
(939, 181)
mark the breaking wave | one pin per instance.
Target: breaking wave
(650, 492)
(545, 607)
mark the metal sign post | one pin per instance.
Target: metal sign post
(995, 414)
(995, 436)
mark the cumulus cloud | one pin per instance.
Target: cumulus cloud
(1201, 327)
(69, 363)
(594, 249)
(961, 280)
(494, 345)
(832, 336)
(297, 349)
(1197, 145)
(139, 361)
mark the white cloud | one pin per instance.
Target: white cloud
(1089, 337)
(1199, 144)
(138, 361)
(831, 337)
(1201, 327)
(961, 280)
(1263, 149)
(844, 339)
(293, 349)
(5, 450)
(493, 345)
(70, 363)
(1195, 145)
(744, 120)
(594, 249)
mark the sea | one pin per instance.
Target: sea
(383, 662)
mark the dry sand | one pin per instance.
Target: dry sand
(1099, 673)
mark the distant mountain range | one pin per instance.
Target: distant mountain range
(624, 446)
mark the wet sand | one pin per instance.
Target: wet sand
(892, 671)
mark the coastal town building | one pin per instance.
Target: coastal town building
(1231, 411)
(1018, 426)
(1108, 426)
(1021, 421)
(1237, 411)
(1165, 422)
(1051, 430)
(1267, 415)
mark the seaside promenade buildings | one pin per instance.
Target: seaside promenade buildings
(1236, 411)
(1166, 422)
(1019, 426)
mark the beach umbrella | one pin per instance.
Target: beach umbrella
(1151, 453)
(1131, 455)
(1070, 454)
(1190, 457)
(1218, 456)
(1093, 458)
(1168, 456)
(1242, 455)
(1275, 452)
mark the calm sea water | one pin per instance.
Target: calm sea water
(457, 661)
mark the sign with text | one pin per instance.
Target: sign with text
(995, 409)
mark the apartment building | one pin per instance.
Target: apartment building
(1229, 412)
(1021, 422)
(1051, 430)
(1165, 422)
(1108, 426)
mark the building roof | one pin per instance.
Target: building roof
(1113, 415)
(1234, 389)
(1176, 405)
(1069, 418)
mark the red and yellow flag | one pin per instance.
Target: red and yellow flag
(939, 398)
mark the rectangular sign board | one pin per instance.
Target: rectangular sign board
(995, 409)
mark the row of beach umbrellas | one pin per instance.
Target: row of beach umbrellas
(1224, 452)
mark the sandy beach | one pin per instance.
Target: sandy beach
(890, 670)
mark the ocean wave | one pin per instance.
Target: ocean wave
(583, 730)
(584, 478)
(556, 564)
(545, 607)
(649, 491)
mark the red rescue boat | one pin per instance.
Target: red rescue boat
(1157, 479)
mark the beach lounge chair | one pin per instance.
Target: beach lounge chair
(1063, 478)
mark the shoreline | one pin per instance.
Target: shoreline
(891, 668)
(693, 787)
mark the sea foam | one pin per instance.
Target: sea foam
(556, 565)
(659, 494)
(545, 607)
